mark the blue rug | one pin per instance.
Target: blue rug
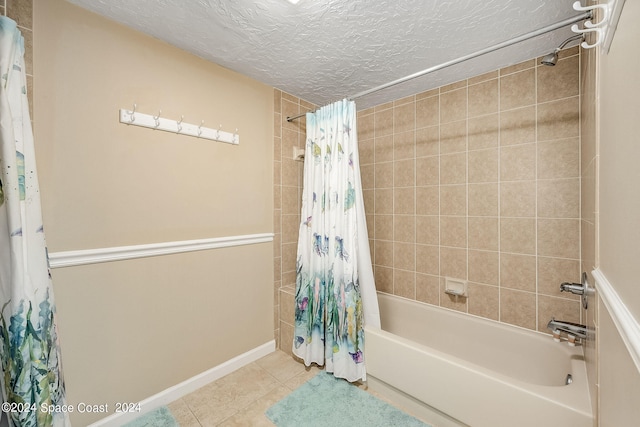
(328, 401)
(160, 417)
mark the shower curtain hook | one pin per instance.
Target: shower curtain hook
(157, 118)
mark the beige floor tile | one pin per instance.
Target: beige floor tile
(246, 385)
(183, 415)
(254, 414)
(302, 377)
(281, 365)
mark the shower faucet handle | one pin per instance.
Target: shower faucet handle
(579, 289)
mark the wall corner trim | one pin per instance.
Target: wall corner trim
(627, 325)
(120, 253)
(192, 384)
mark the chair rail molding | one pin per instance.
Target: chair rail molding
(121, 253)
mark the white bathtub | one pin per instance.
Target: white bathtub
(457, 369)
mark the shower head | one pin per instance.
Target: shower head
(552, 58)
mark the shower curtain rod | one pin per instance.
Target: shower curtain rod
(538, 32)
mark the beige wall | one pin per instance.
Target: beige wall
(131, 329)
(617, 216)
(479, 180)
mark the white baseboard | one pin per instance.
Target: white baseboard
(627, 325)
(192, 384)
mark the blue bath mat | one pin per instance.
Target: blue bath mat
(325, 400)
(160, 417)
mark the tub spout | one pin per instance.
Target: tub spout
(572, 329)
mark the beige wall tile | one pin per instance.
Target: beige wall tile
(369, 197)
(559, 158)
(290, 200)
(483, 165)
(404, 256)
(366, 151)
(290, 228)
(453, 231)
(453, 137)
(518, 198)
(560, 81)
(483, 132)
(427, 112)
(559, 238)
(518, 126)
(428, 229)
(517, 89)
(518, 272)
(559, 119)
(383, 225)
(404, 228)
(518, 162)
(384, 201)
(559, 198)
(368, 176)
(404, 145)
(483, 98)
(383, 148)
(483, 300)
(428, 200)
(383, 175)
(428, 94)
(404, 117)
(384, 122)
(366, 126)
(404, 173)
(404, 201)
(453, 200)
(483, 199)
(428, 288)
(384, 279)
(453, 168)
(483, 77)
(453, 262)
(428, 259)
(404, 283)
(453, 86)
(428, 170)
(383, 253)
(518, 235)
(483, 233)
(518, 67)
(483, 267)
(518, 308)
(428, 141)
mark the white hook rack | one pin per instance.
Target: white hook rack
(605, 28)
(132, 117)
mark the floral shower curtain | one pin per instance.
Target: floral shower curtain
(335, 292)
(32, 381)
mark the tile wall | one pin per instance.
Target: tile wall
(287, 204)
(479, 180)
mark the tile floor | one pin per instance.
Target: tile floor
(242, 397)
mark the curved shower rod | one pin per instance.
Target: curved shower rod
(538, 32)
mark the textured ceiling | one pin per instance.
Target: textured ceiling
(325, 50)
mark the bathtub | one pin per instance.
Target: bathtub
(452, 369)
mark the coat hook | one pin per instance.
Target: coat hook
(218, 132)
(200, 128)
(597, 30)
(133, 113)
(235, 137)
(179, 123)
(157, 118)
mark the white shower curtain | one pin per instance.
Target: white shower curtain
(32, 381)
(335, 291)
